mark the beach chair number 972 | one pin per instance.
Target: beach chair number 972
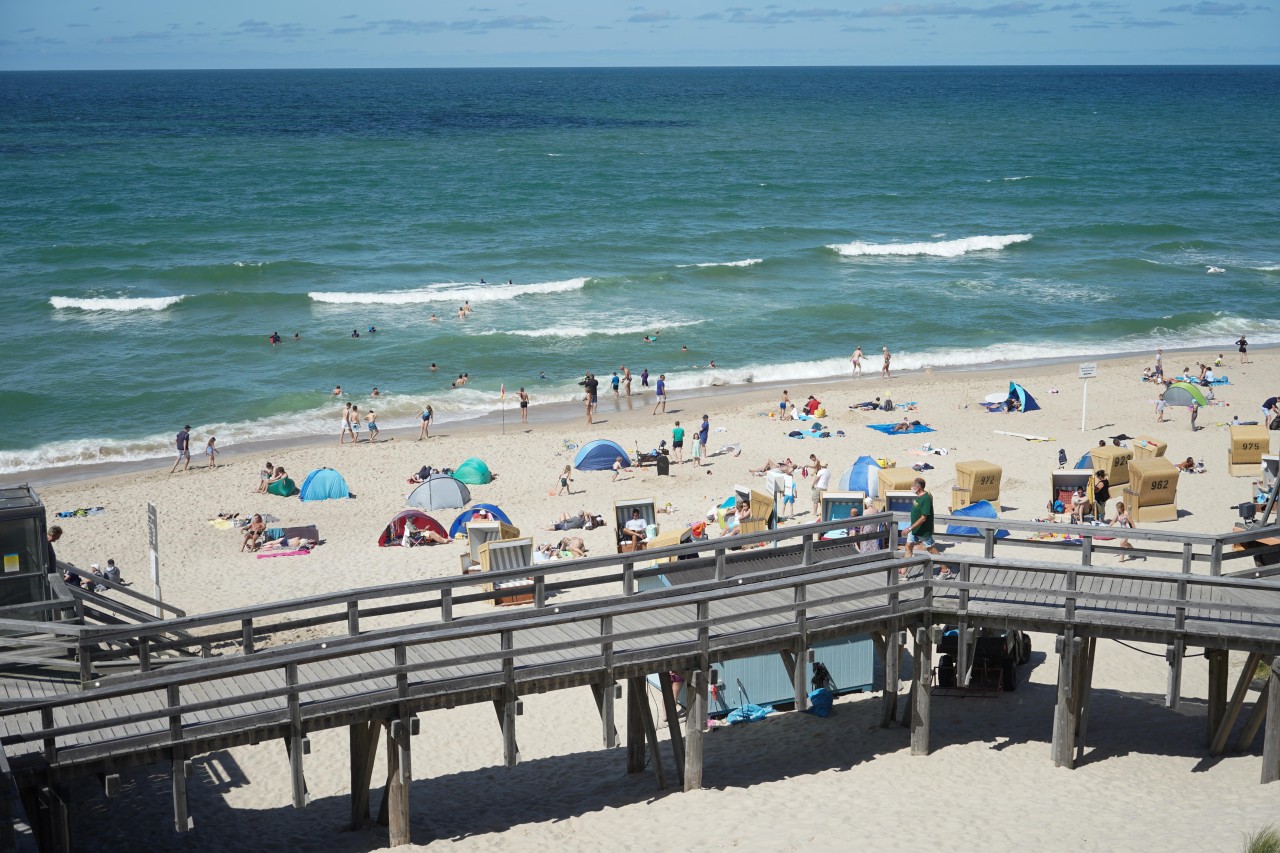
(987, 480)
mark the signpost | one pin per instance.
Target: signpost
(1088, 370)
(153, 543)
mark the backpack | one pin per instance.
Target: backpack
(887, 405)
(821, 676)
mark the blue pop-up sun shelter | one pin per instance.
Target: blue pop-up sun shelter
(982, 509)
(862, 476)
(466, 514)
(322, 484)
(1026, 403)
(599, 455)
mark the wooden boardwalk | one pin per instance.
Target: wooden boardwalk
(779, 600)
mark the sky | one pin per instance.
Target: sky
(151, 34)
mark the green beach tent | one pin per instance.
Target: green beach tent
(1183, 393)
(473, 472)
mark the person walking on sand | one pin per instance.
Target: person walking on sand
(884, 371)
(821, 479)
(1244, 350)
(346, 424)
(1195, 412)
(1122, 520)
(704, 431)
(524, 406)
(856, 358)
(372, 420)
(184, 449)
(784, 405)
(354, 423)
(211, 451)
(565, 480)
(1160, 407)
(661, 391)
(424, 431)
(617, 468)
(921, 530)
(677, 443)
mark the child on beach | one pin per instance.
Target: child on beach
(1160, 407)
(565, 480)
(1122, 520)
(211, 451)
(425, 430)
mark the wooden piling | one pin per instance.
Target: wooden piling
(920, 692)
(399, 775)
(364, 751)
(1219, 743)
(1271, 736)
(892, 659)
(1217, 699)
(639, 686)
(695, 720)
(667, 686)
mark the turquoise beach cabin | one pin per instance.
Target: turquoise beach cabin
(763, 679)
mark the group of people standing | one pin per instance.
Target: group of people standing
(353, 422)
(857, 357)
(183, 443)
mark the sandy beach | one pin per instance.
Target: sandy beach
(790, 782)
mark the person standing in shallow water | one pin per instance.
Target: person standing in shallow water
(524, 406)
(884, 371)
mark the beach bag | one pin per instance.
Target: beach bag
(1275, 423)
(887, 405)
(820, 702)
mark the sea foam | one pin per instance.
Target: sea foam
(747, 262)
(941, 248)
(449, 292)
(158, 303)
(585, 331)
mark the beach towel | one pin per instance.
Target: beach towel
(77, 513)
(887, 429)
(265, 554)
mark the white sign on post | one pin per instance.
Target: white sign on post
(153, 544)
(1088, 370)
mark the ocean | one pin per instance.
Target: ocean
(157, 227)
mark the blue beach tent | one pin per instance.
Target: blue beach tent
(982, 509)
(463, 517)
(1026, 402)
(599, 455)
(862, 476)
(323, 484)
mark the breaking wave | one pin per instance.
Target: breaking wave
(941, 248)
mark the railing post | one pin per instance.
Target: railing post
(807, 559)
(893, 535)
(246, 635)
(1070, 607)
(989, 543)
(1086, 550)
(50, 743)
(1215, 561)
(446, 604)
(1188, 555)
(178, 762)
(629, 578)
(144, 654)
(800, 671)
(353, 618)
(85, 653)
(540, 592)
(720, 570)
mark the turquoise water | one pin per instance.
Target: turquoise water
(156, 227)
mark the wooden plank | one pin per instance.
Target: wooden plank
(1219, 742)
(920, 693)
(1271, 732)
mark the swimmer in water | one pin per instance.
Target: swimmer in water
(684, 349)
(433, 318)
(373, 330)
(355, 333)
(542, 375)
(433, 367)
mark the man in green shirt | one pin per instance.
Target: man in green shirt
(677, 443)
(921, 530)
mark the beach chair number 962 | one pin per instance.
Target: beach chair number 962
(1159, 485)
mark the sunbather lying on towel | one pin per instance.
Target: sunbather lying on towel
(577, 521)
(907, 425)
(867, 406)
(786, 466)
(288, 543)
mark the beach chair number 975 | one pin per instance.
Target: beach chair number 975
(1251, 445)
